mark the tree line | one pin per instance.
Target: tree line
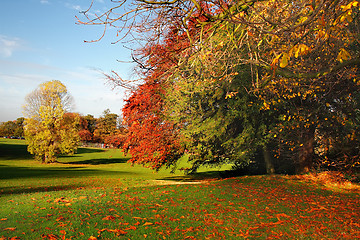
(50, 128)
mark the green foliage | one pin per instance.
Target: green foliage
(220, 116)
(106, 125)
(12, 128)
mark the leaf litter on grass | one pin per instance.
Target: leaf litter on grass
(99, 202)
(247, 207)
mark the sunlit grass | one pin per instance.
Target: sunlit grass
(96, 193)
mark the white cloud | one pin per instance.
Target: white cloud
(44, 1)
(75, 7)
(8, 45)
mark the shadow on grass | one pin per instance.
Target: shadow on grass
(220, 174)
(89, 150)
(14, 152)
(22, 190)
(80, 151)
(195, 176)
(11, 172)
(99, 161)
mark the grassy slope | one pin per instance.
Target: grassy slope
(96, 193)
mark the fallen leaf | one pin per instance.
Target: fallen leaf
(131, 228)
(60, 218)
(109, 218)
(10, 228)
(117, 231)
(50, 237)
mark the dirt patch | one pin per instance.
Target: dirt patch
(168, 182)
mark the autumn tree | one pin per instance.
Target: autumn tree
(313, 71)
(106, 125)
(151, 139)
(303, 58)
(87, 127)
(49, 128)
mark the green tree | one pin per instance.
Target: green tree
(7, 129)
(106, 125)
(19, 131)
(48, 130)
(12, 128)
(91, 123)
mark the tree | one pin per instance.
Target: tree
(85, 134)
(49, 129)
(91, 123)
(19, 131)
(106, 125)
(12, 128)
(7, 128)
(151, 139)
(303, 57)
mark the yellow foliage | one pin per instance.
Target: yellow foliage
(322, 34)
(343, 55)
(230, 94)
(45, 131)
(302, 20)
(298, 50)
(284, 60)
(266, 106)
(350, 5)
(275, 60)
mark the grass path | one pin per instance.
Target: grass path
(97, 195)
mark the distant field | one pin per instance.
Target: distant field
(96, 194)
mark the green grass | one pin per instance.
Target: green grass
(97, 193)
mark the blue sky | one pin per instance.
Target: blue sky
(40, 41)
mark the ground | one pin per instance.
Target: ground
(96, 194)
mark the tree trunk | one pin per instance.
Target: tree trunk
(268, 161)
(306, 151)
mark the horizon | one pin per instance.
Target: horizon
(42, 42)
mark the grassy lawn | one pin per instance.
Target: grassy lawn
(95, 194)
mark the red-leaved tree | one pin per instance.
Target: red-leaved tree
(151, 140)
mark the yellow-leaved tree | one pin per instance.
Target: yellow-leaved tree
(48, 130)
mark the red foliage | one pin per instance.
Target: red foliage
(116, 139)
(151, 140)
(85, 135)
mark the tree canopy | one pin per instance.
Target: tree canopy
(49, 128)
(241, 77)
